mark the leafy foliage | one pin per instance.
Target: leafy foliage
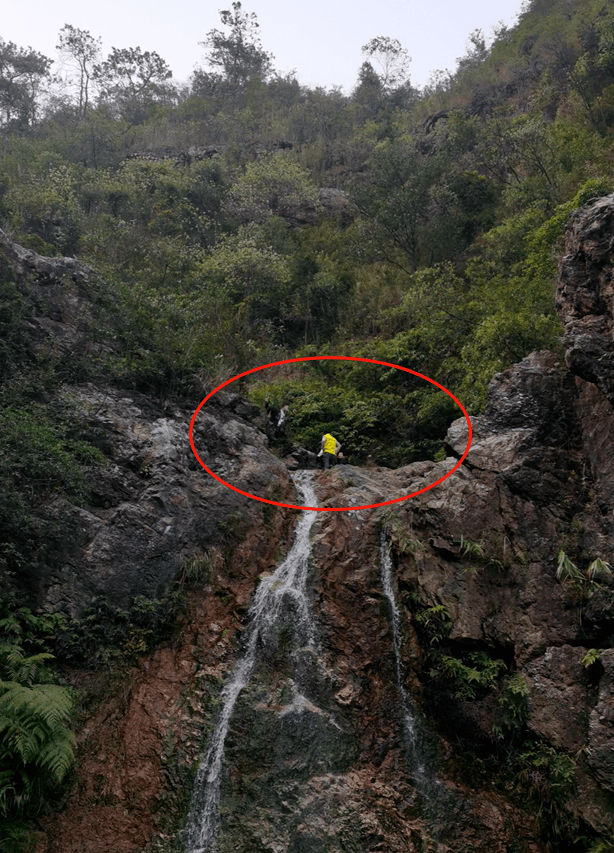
(435, 622)
(475, 671)
(568, 573)
(238, 52)
(591, 657)
(107, 633)
(549, 777)
(468, 548)
(400, 534)
(513, 702)
(36, 743)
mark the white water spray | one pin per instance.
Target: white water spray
(285, 589)
(410, 726)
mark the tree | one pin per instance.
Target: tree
(391, 57)
(368, 91)
(239, 53)
(81, 50)
(252, 277)
(132, 79)
(476, 52)
(22, 71)
(404, 198)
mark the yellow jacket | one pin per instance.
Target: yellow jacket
(330, 443)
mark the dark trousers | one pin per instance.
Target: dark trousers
(329, 459)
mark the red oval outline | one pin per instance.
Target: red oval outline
(330, 358)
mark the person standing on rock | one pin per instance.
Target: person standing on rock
(330, 449)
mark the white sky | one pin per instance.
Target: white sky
(320, 39)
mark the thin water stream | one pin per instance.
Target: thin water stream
(283, 592)
(409, 714)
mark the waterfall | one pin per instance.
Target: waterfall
(285, 590)
(408, 709)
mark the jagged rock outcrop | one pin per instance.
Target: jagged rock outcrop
(585, 294)
(535, 480)
(26, 262)
(152, 506)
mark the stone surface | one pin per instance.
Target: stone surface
(585, 294)
(558, 697)
(152, 504)
(601, 726)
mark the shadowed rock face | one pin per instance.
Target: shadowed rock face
(329, 773)
(585, 294)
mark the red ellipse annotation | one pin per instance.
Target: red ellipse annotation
(330, 358)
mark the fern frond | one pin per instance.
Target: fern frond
(50, 703)
(57, 756)
(18, 667)
(591, 657)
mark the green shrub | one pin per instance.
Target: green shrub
(471, 673)
(107, 632)
(513, 703)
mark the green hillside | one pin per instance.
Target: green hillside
(245, 218)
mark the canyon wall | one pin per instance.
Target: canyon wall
(512, 759)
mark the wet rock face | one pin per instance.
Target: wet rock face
(152, 505)
(558, 696)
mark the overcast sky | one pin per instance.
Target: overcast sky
(320, 39)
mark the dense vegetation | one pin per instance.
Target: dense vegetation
(200, 209)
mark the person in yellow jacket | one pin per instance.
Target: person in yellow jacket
(330, 449)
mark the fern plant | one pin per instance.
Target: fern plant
(591, 657)
(475, 672)
(36, 742)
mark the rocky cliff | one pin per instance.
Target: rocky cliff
(510, 667)
(152, 508)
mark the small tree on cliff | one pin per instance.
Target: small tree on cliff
(238, 53)
(392, 58)
(80, 50)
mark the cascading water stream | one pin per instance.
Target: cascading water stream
(410, 723)
(285, 589)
